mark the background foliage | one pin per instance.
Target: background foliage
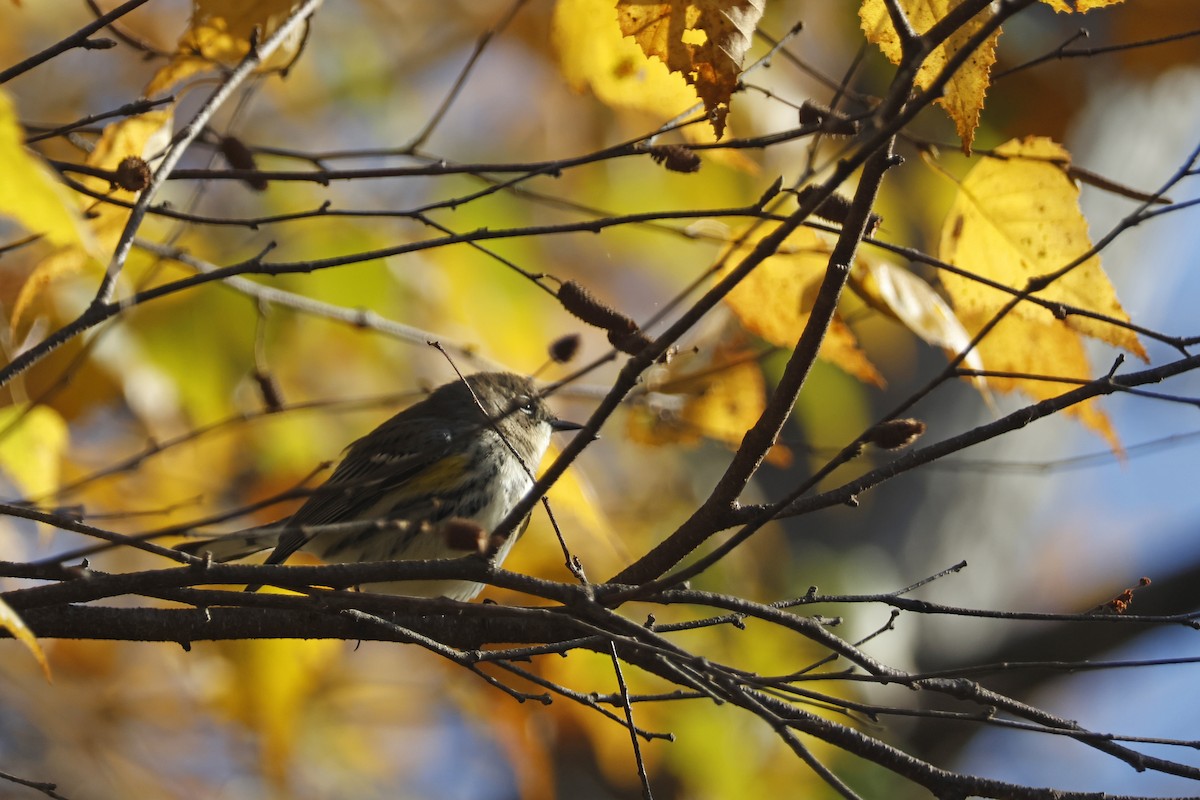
(379, 177)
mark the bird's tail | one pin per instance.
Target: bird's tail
(232, 546)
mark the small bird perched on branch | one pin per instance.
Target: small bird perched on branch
(458, 460)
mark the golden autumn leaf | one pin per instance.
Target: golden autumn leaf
(705, 41)
(1045, 348)
(1070, 6)
(901, 295)
(594, 55)
(144, 136)
(32, 447)
(963, 99)
(1017, 217)
(715, 392)
(219, 36)
(31, 194)
(268, 688)
(774, 300)
(11, 621)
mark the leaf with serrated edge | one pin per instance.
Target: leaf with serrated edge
(775, 299)
(705, 41)
(963, 98)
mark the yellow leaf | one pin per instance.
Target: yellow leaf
(220, 34)
(1017, 217)
(774, 301)
(593, 54)
(916, 305)
(963, 99)
(714, 392)
(143, 136)
(12, 622)
(31, 194)
(1041, 347)
(32, 444)
(1064, 7)
(705, 41)
(573, 499)
(269, 689)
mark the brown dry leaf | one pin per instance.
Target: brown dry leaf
(965, 90)
(593, 54)
(219, 36)
(775, 299)
(144, 136)
(705, 41)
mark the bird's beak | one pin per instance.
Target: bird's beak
(563, 425)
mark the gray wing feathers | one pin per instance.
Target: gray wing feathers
(373, 465)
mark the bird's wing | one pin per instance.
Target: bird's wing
(376, 465)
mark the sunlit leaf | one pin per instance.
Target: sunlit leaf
(1042, 348)
(594, 54)
(143, 136)
(774, 301)
(1017, 217)
(31, 194)
(32, 443)
(963, 99)
(220, 35)
(705, 41)
(271, 684)
(12, 622)
(715, 392)
(1069, 6)
(917, 306)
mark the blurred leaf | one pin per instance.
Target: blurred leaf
(705, 41)
(587, 530)
(272, 683)
(715, 392)
(916, 305)
(775, 299)
(749, 756)
(31, 193)
(963, 99)
(12, 622)
(32, 444)
(219, 35)
(143, 136)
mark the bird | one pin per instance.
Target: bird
(465, 455)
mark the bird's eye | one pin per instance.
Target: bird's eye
(526, 405)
